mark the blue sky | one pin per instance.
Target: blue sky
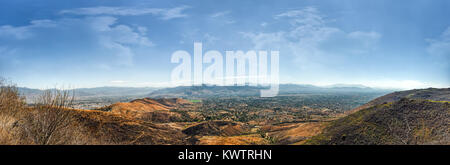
(91, 43)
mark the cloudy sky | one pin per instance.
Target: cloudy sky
(91, 43)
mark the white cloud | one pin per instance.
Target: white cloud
(24, 32)
(210, 38)
(123, 34)
(220, 14)
(8, 56)
(142, 30)
(116, 39)
(441, 45)
(103, 10)
(16, 32)
(264, 24)
(165, 14)
(311, 41)
(264, 40)
(306, 16)
(223, 17)
(174, 13)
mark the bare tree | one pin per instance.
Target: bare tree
(10, 100)
(51, 117)
(11, 103)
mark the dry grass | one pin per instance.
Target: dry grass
(253, 139)
(10, 104)
(293, 133)
(50, 118)
(154, 110)
(48, 121)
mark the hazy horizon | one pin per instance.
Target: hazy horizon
(69, 87)
(86, 44)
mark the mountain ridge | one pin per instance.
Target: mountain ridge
(419, 116)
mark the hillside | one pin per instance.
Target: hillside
(407, 117)
(421, 94)
(107, 128)
(156, 110)
(44, 125)
(216, 128)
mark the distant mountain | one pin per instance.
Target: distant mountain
(114, 91)
(201, 91)
(340, 88)
(347, 86)
(406, 117)
(95, 92)
(205, 91)
(28, 92)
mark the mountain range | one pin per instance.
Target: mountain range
(85, 93)
(208, 91)
(204, 90)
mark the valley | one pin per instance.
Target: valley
(212, 115)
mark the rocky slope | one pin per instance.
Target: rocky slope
(407, 117)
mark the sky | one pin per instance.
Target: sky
(92, 43)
